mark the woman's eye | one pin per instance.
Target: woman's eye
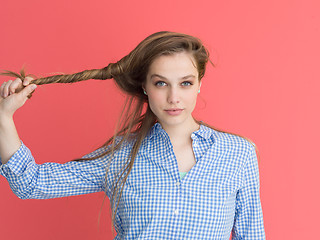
(186, 83)
(159, 83)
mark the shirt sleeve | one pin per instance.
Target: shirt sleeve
(29, 180)
(248, 223)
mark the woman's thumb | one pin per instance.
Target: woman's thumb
(29, 89)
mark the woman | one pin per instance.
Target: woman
(167, 175)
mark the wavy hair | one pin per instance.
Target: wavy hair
(130, 74)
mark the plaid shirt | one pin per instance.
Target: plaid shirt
(219, 196)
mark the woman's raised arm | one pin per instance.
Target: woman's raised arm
(13, 95)
(29, 180)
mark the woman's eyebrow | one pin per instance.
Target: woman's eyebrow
(185, 77)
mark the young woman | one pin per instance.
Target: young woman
(167, 175)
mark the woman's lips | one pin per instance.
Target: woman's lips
(174, 112)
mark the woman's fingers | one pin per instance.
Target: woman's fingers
(6, 88)
(10, 104)
(11, 87)
(27, 81)
(17, 83)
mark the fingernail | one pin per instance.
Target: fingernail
(33, 87)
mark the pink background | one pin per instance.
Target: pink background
(265, 86)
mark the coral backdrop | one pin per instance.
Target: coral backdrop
(265, 86)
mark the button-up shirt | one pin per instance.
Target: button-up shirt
(219, 196)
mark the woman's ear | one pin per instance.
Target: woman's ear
(143, 85)
(143, 88)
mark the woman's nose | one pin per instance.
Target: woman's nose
(173, 95)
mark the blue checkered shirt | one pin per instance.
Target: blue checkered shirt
(219, 196)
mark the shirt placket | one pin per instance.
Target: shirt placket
(172, 167)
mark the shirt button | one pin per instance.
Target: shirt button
(176, 212)
(177, 183)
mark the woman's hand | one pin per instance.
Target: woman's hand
(13, 95)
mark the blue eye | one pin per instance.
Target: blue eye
(189, 83)
(157, 83)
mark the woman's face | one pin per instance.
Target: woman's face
(172, 83)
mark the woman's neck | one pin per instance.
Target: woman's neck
(181, 134)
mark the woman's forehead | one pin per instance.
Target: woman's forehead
(181, 64)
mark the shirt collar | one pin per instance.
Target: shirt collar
(203, 131)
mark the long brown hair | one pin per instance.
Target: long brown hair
(136, 117)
